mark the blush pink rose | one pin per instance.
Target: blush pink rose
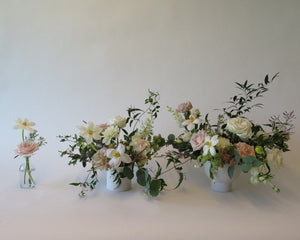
(26, 148)
(245, 150)
(184, 107)
(198, 140)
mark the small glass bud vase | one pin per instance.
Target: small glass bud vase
(26, 179)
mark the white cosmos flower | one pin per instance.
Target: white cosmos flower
(210, 143)
(90, 132)
(190, 123)
(24, 124)
(117, 156)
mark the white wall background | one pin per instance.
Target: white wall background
(62, 62)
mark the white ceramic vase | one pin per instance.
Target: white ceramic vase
(112, 186)
(222, 182)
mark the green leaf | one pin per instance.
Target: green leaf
(230, 172)
(158, 170)
(155, 187)
(257, 163)
(141, 176)
(249, 159)
(246, 167)
(266, 79)
(74, 184)
(237, 156)
(180, 180)
(128, 172)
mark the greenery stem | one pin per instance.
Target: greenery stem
(23, 135)
(93, 147)
(28, 171)
(180, 164)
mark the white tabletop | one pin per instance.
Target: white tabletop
(53, 209)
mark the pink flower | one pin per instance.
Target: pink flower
(198, 140)
(26, 148)
(102, 126)
(184, 107)
(245, 150)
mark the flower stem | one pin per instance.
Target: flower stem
(23, 135)
(28, 171)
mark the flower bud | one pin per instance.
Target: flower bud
(259, 150)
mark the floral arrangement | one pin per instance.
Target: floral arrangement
(234, 140)
(29, 145)
(119, 146)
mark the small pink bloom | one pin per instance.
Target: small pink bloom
(245, 150)
(26, 148)
(198, 140)
(102, 126)
(184, 107)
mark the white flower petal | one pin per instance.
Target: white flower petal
(198, 121)
(110, 152)
(190, 126)
(90, 125)
(214, 140)
(125, 158)
(121, 149)
(212, 151)
(115, 162)
(205, 150)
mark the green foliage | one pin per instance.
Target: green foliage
(241, 103)
(230, 171)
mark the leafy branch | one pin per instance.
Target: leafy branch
(241, 103)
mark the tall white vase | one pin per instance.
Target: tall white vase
(222, 182)
(112, 186)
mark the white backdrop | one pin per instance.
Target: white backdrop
(63, 61)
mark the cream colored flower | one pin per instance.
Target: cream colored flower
(223, 142)
(274, 158)
(266, 136)
(110, 133)
(190, 123)
(140, 145)
(90, 132)
(195, 112)
(240, 126)
(117, 121)
(186, 137)
(117, 156)
(210, 143)
(24, 124)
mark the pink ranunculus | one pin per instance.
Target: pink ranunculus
(198, 140)
(102, 126)
(184, 107)
(245, 150)
(26, 148)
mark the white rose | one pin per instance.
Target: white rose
(274, 158)
(239, 126)
(117, 121)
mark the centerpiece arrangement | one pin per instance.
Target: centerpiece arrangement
(29, 145)
(123, 147)
(233, 144)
